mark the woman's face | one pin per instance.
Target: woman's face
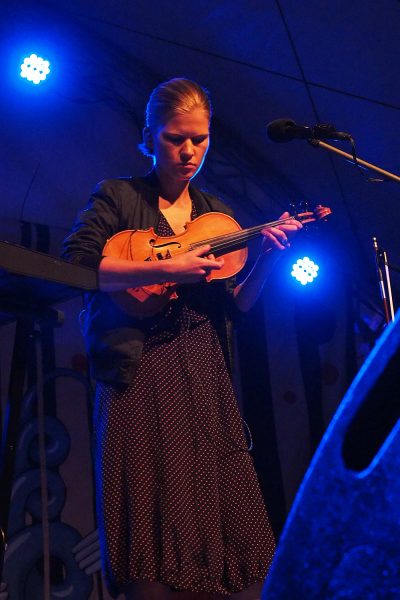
(180, 146)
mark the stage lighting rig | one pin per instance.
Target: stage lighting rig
(305, 270)
(35, 69)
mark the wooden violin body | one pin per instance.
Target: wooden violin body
(219, 230)
(138, 245)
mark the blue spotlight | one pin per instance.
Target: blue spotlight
(35, 69)
(305, 270)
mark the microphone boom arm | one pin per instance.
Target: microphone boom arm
(314, 142)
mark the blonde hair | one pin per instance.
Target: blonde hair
(176, 96)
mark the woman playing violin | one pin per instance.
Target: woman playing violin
(178, 503)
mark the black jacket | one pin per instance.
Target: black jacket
(114, 340)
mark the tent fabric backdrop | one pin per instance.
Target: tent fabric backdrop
(313, 62)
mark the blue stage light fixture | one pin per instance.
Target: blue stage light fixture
(35, 69)
(305, 270)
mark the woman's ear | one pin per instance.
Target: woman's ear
(148, 139)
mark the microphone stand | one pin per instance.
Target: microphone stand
(321, 144)
(380, 255)
(384, 281)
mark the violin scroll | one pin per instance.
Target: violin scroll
(320, 213)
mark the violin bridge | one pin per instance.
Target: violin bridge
(162, 255)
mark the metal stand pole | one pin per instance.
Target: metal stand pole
(384, 281)
(372, 167)
(27, 327)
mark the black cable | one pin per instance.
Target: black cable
(364, 171)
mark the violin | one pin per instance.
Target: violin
(220, 231)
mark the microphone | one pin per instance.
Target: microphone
(286, 130)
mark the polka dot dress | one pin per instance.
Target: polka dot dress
(177, 495)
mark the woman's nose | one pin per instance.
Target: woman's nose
(187, 149)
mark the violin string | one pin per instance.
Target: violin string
(232, 242)
(225, 241)
(239, 235)
(228, 240)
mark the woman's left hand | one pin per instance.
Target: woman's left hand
(279, 237)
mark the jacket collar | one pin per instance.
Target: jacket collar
(150, 181)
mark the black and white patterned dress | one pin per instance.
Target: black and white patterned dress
(177, 495)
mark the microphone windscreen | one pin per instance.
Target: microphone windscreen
(280, 130)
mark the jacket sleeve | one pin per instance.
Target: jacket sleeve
(93, 227)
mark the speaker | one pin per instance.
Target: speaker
(342, 537)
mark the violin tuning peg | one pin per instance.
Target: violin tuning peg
(322, 212)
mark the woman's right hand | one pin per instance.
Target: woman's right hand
(117, 274)
(193, 266)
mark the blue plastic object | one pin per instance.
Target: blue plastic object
(342, 537)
